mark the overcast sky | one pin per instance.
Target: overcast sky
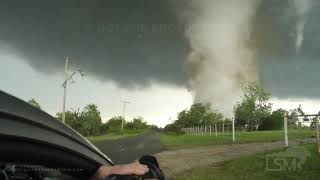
(143, 51)
(156, 104)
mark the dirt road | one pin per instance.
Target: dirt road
(176, 162)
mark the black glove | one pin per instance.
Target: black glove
(154, 171)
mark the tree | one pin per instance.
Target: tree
(114, 124)
(34, 103)
(129, 125)
(241, 114)
(139, 124)
(104, 129)
(92, 120)
(174, 127)
(86, 121)
(273, 122)
(155, 127)
(213, 117)
(293, 120)
(73, 119)
(254, 106)
(199, 114)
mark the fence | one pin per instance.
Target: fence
(212, 130)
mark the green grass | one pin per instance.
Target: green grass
(254, 167)
(173, 141)
(115, 135)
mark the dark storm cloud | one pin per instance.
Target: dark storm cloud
(129, 42)
(283, 71)
(134, 42)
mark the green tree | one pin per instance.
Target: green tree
(154, 127)
(174, 127)
(273, 122)
(129, 125)
(92, 120)
(254, 106)
(241, 114)
(104, 129)
(293, 120)
(86, 121)
(199, 114)
(139, 124)
(114, 124)
(136, 124)
(34, 103)
(74, 119)
(213, 117)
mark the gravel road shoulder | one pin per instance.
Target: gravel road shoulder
(178, 161)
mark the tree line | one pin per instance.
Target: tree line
(199, 114)
(253, 112)
(88, 121)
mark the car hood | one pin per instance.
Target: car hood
(32, 123)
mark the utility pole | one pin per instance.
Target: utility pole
(64, 85)
(285, 125)
(233, 133)
(124, 109)
(318, 135)
(65, 91)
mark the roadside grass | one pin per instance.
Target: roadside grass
(115, 135)
(254, 167)
(174, 141)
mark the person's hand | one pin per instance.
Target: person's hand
(134, 168)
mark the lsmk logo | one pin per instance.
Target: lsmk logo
(292, 159)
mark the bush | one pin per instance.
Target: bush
(173, 128)
(273, 122)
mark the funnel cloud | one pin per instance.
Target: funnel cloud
(219, 36)
(301, 10)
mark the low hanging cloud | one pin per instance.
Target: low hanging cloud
(210, 47)
(283, 71)
(132, 43)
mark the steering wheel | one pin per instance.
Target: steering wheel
(154, 171)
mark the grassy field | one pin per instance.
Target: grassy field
(113, 136)
(254, 167)
(173, 141)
